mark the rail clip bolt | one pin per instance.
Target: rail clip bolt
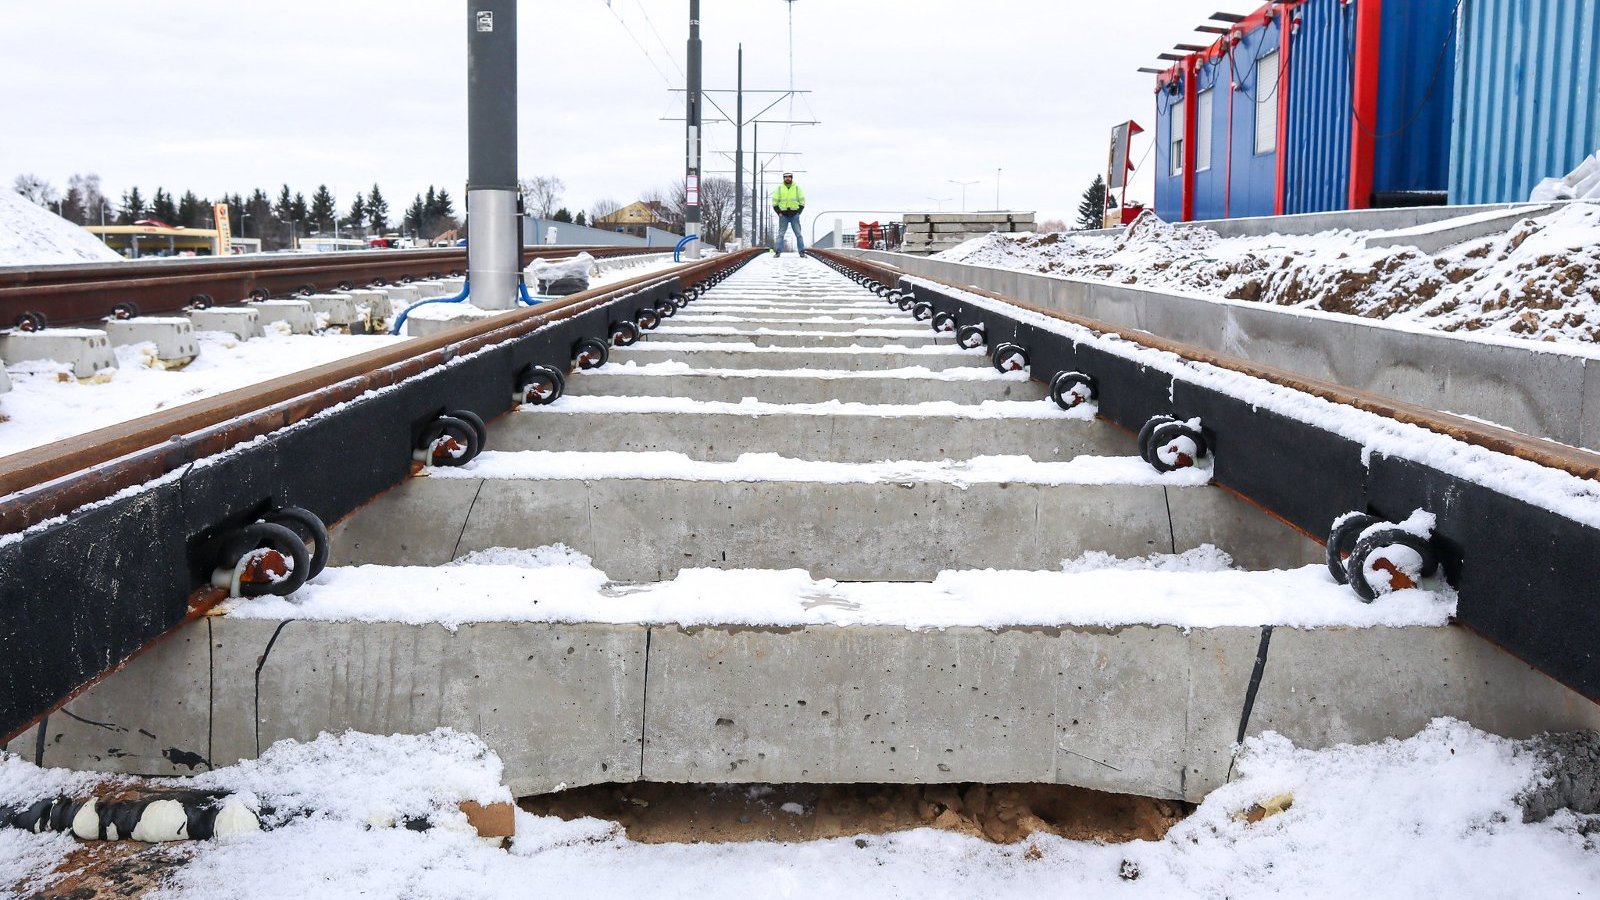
(262, 558)
(922, 311)
(590, 353)
(1009, 357)
(539, 385)
(1383, 557)
(624, 333)
(32, 321)
(971, 337)
(449, 441)
(1068, 389)
(945, 322)
(1169, 444)
(647, 319)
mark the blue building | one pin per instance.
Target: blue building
(1308, 106)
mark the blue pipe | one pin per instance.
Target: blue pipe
(677, 252)
(400, 320)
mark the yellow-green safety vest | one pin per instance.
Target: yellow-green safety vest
(788, 197)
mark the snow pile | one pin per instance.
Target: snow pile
(1196, 589)
(1434, 815)
(1539, 279)
(1582, 183)
(31, 235)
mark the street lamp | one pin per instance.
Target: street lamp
(997, 189)
(963, 191)
(939, 200)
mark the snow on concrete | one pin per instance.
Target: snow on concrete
(31, 235)
(655, 465)
(465, 309)
(1539, 279)
(555, 584)
(1429, 816)
(1561, 492)
(47, 404)
(906, 373)
(989, 409)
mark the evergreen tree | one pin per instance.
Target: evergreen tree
(582, 218)
(377, 210)
(72, 208)
(561, 215)
(444, 209)
(301, 213)
(95, 208)
(192, 211)
(1092, 210)
(163, 209)
(259, 210)
(417, 214)
(323, 209)
(357, 217)
(283, 208)
(133, 208)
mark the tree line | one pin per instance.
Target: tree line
(278, 221)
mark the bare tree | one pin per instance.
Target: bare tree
(1049, 225)
(716, 211)
(36, 189)
(543, 194)
(602, 208)
(96, 208)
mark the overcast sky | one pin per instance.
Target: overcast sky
(221, 97)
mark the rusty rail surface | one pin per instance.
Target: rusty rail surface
(44, 482)
(85, 293)
(1573, 460)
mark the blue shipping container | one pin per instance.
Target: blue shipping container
(1527, 98)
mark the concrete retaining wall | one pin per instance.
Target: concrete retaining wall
(1539, 389)
(1143, 710)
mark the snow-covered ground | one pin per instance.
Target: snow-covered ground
(47, 404)
(1197, 589)
(31, 235)
(1539, 279)
(1435, 815)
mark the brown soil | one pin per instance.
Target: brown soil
(655, 813)
(107, 869)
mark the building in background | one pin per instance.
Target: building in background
(151, 238)
(637, 217)
(1308, 106)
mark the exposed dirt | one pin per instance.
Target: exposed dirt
(107, 869)
(654, 813)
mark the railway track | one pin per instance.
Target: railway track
(70, 294)
(891, 436)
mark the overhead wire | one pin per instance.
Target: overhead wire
(637, 43)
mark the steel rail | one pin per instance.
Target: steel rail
(86, 293)
(1572, 460)
(44, 482)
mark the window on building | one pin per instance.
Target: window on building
(1179, 127)
(1267, 103)
(1202, 133)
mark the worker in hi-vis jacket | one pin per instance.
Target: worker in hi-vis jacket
(788, 201)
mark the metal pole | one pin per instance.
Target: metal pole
(691, 149)
(755, 186)
(493, 254)
(738, 153)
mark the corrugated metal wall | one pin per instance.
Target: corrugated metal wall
(1318, 177)
(1527, 99)
(1417, 81)
(1210, 184)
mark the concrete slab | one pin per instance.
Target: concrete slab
(617, 381)
(860, 532)
(86, 350)
(516, 685)
(173, 337)
(722, 436)
(805, 339)
(788, 323)
(840, 360)
(294, 315)
(402, 295)
(336, 311)
(242, 322)
(1212, 515)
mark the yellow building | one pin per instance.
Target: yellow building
(635, 218)
(135, 241)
